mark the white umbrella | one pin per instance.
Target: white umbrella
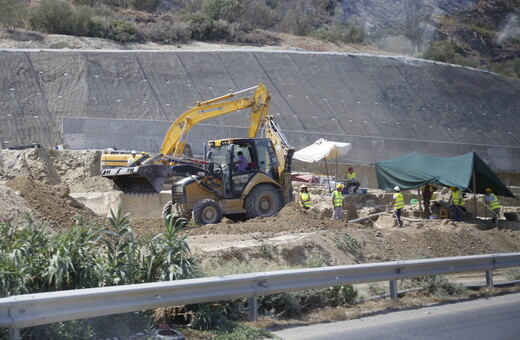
(322, 149)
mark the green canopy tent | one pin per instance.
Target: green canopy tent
(467, 172)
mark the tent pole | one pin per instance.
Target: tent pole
(336, 169)
(420, 203)
(327, 170)
(474, 194)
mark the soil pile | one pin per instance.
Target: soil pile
(51, 202)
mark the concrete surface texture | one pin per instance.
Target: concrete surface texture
(384, 106)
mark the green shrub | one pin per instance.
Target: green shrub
(165, 32)
(52, 16)
(448, 52)
(348, 34)
(204, 28)
(509, 68)
(12, 14)
(228, 10)
(121, 31)
(58, 17)
(439, 286)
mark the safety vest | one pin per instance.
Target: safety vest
(399, 201)
(306, 199)
(457, 198)
(131, 160)
(351, 175)
(493, 203)
(338, 198)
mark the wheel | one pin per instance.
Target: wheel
(263, 200)
(206, 212)
(170, 208)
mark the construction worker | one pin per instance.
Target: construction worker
(352, 182)
(494, 205)
(337, 202)
(457, 203)
(305, 197)
(132, 158)
(427, 194)
(398, 203)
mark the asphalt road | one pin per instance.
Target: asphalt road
(493, 318)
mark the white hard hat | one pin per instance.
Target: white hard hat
(133, 152)
(396, 188)
(303, 186)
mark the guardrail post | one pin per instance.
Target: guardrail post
(393, 289)
(253, 308)
(489, 277)
(14, 334)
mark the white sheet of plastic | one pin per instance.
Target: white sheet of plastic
(321, 149)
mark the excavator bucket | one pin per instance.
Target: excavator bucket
(146, 179)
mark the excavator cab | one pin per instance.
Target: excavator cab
(237, 161)
(242, 182)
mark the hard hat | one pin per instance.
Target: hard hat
(143, 152)
(133, 152)
(488, 189)
(452, 188)
(396, 188)
(339, 186)
(303, 187)
(350, 168)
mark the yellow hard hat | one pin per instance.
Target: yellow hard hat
(452, 188)
(339, 186)
(488, 189)
(143, 152)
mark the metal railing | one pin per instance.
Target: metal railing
(43, 308)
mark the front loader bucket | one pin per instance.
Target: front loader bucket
(139, 179)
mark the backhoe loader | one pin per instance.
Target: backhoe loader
(221, 184)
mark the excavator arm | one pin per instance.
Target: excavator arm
(284, 153)
(175, 139)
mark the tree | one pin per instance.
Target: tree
(11, 14)
(416, 15)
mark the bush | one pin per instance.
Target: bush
(228, 10)
(509, 68)
(121, 31)
(448, 52)
(52, 16)
(166, 33)
(58, 17)
(12, 13)
(348, 34)
(204, 28)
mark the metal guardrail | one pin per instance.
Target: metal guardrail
(43, 308)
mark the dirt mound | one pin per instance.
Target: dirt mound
(52, 202)
(78, 169)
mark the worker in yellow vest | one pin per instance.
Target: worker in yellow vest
(305, 197)
(352, 181)
(132, 158)
(337, 202)
(493, 204)
(457, 203)
(398, 203)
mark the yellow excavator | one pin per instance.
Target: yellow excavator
(239, 178)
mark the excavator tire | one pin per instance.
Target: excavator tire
(170, 208)
(206, 211)
(264, 200)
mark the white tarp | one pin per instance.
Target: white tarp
(321, 149)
